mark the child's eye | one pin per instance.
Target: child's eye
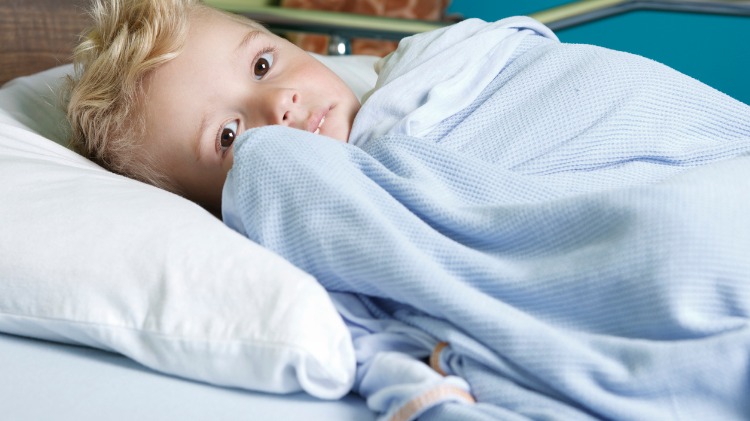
(227, 135)
(262, 65)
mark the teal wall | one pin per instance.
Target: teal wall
(711, 48)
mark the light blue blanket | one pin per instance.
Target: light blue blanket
(579, 234)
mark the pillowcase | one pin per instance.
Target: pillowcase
(89, 257)
(33, 103)
(357, 71)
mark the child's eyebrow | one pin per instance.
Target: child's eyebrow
(247, 39)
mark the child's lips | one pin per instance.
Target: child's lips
(316, 122)
(322, 120)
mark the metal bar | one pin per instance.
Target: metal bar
(343, 24)
(575, 9)
(582, 11)
(727, 7)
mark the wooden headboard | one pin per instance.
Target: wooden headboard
(38, 34)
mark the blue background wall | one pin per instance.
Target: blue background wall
(711, 48)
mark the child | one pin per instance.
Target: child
(560, 229)
(166, 86)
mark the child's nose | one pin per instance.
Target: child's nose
(284, 107)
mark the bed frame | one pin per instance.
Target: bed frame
(39, 34)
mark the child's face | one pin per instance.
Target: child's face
(230, 78)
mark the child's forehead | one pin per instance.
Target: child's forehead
(222, 16)
(210, 30)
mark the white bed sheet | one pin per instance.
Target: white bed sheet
(44, 380)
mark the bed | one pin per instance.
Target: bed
(122, 301)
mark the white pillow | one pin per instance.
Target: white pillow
(34, 103)
(90, 257)
(357, 71)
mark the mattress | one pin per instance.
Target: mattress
(45, 380)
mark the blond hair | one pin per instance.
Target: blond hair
(126, 42)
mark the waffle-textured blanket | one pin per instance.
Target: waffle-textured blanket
(579, 235)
